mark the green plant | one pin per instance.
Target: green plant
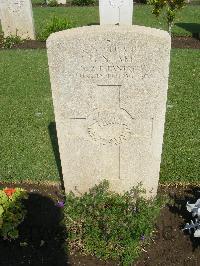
(52, 3)
(83, 2)
(12, 211)
(169, 7)
(109, 225)
(56, 24)
(9, 41)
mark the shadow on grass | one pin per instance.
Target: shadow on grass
(55, 147)
(191, 195)
(93, 24)
(41, 236)
(194, 28)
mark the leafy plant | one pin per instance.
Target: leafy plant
(56, 24)
(109, 225)
(169, 8)
(195, 210)
(12, 211)
(83, 2)
(9, 41)
(52, 3)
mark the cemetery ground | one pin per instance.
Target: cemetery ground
(186, 24)
(28, 128)
(30, 158)
(187, 19)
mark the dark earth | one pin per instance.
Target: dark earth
(42, 236)
(177, 42)
(43, 5)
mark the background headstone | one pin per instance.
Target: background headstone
(116, 12)
(17, 18)
(61, 2)
(58, 1)
(109, 95)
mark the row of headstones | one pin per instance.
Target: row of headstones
(17, 17)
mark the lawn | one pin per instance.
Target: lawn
(90, 15)
(27, 115)
(38, 2)
(26, 111)
(181, 151)
(187, 20)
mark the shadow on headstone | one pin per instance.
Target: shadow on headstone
(55, 147)
(194, 28)
(41, 236)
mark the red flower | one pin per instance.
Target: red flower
(9, 191)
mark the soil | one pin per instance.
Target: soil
(42, 236)
(170, 245)
(28, 44)
(60, 5)
(186, 42)
(177, 42)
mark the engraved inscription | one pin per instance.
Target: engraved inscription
(112, 71)
(117, 3)
(110, 127)
(102, 64)
(122, 52)
(16, 5)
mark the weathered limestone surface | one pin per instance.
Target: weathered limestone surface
(109, 86)
(116, 12)
(17, 18)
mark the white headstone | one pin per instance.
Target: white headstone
(63, 2)
(109, 95)
(116, 12)
(17, 18)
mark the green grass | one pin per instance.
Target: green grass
(181, 152)
(90, 15)
(81, 16)
(78, 15)
(189, 14)
(38, 2)
(26, 112)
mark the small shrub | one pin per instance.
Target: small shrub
(52, 3)
(56, 24)
(9, 41)
(12, 211)
(109, 225)
(83, 2)
(169, 8)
